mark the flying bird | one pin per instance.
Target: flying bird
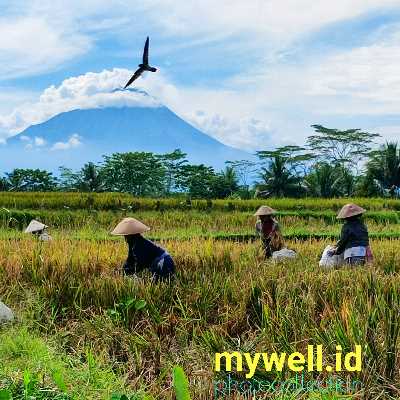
(144, 66)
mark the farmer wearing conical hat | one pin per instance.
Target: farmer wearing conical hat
(268, 229)
(39, 230)
(354, 241)
(142, 253)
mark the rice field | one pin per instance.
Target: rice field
(83, 331)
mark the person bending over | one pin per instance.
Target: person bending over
(143, 253)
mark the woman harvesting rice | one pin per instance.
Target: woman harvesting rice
(39, 230)
(143, 253)
(354, 240)
(268, 229)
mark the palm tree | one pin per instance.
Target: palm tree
(323, 181)
(230, 177)
(278, 180)
(384, 165)
(91, 180)
(328, 180)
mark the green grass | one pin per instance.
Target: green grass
(86, 332)
(225, 297)
(118, 201)
(18, 219)
(27, 356)
(102, 235)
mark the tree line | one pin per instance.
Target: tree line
(333, 163)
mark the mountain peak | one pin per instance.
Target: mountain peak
(78, 136)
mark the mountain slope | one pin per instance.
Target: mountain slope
(75, 137)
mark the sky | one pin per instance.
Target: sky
(254, 74)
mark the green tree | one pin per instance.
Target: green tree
(92, 179)
(88, 179)
(297, 159)
(4, 185)
(139, 173)
(345, 147)
(31, 180)
(197, 180)
(282, 170)
(384, 165)
(278, 180)
(69, 180)
(225, 183)
(327, 180)
(173, 163)
(244, 169)
(369, 186)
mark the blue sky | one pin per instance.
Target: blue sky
(253, 74)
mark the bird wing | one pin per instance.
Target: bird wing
(136, 75)
(146, 52)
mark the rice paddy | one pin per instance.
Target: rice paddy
(84, 331)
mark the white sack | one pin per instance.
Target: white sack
(283, 254)
(6, 315)
(328, 261)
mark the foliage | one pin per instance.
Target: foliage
(181, 384)
(88, 179)
(4, 184)
(327, 181)
(327, 167)
(138, 173)
(244, 170)
(207, 309)
(85, 331)
(173, 163)
(384, 166)
(66, 203)
(29, 180)
(32, 368)
(197, 180)
(225, 183)
(296, 158)
(277, 178)
(346, 147)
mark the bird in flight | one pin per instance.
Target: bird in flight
(144, 66)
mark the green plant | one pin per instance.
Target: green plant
(181, 385)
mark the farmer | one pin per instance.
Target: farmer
(39, 230)
(142, 253)
(268, 229)
(354, 241)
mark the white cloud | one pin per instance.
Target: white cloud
(41, 35)
(39, 142)
(367, 75)
(25, 138)
(274, 102)
(90, 90)
(390, 133)
(279, 19)
(222, 119)
(243, 132)
(31, 45)
(73, 142)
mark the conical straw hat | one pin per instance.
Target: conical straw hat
(350, 210)
(35, 226)
(265, 210)
(130, 226)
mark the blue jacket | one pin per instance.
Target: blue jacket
(142, 254)
(354, 234)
